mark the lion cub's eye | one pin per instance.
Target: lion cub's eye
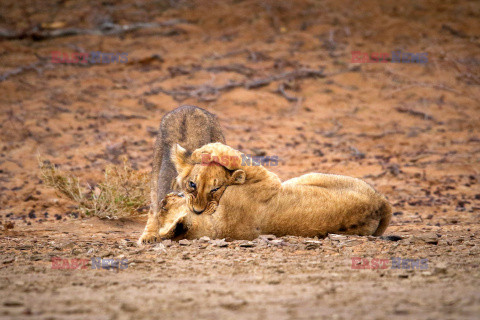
(215, 190)
(192, 185)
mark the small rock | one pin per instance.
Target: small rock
(30, 197)
(153, 131)
(160, 247)
(184, 242)
(106, 254)
(204, 239)
(127, 243)
(128, 307)
(258, 152)
(117, 149)
(312, 244)
(440, 268)
(8, 225)
(267, 237)
(233, 304)
(277, 242)
(220, 243)
(167, 243)
(13, 303)
(274, 282)
(247, 244)
(337, 237)
(31, 214)
(430, 238)
(8, 260)
(391, 238)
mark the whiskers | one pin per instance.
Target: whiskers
(211, 207)
(189, 199)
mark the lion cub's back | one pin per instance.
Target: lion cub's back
(191, 127)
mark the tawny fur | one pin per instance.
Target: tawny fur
(189, 126)
(253, 201)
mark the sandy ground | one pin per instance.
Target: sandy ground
(409, 129)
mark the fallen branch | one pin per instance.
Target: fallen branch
(236, 67)
(105, 29)
(415, 113)
(281, 91)
(211, 93)
(13, 72)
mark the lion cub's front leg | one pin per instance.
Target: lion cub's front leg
(150, 234)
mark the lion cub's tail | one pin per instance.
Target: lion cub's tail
(385, 214)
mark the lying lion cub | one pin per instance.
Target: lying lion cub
(238, 201)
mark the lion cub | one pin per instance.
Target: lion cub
(228, 199)
(190, 126)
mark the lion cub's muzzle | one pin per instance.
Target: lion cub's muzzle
(209, 208)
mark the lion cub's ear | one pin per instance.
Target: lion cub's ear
(238, 177)
(180, 159)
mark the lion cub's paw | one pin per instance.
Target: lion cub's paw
(148, 237)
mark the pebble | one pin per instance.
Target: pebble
(204, 239)
(160, 247)
(220, 243)
(184, 242)
(267, 237)
(13, 303)
(247, 244)
(440, 268)
(167, 243)
(276, 242)
(312, 244)
(128, 307)
(337, 237)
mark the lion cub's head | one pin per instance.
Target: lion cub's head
(203, 183)
(172, 217)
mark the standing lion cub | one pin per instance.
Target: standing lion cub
(225, 199)
(192, 127)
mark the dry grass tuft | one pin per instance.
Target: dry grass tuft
(124, 192)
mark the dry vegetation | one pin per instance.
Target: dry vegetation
(124, 192)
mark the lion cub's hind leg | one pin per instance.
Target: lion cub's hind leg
(374, 223)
